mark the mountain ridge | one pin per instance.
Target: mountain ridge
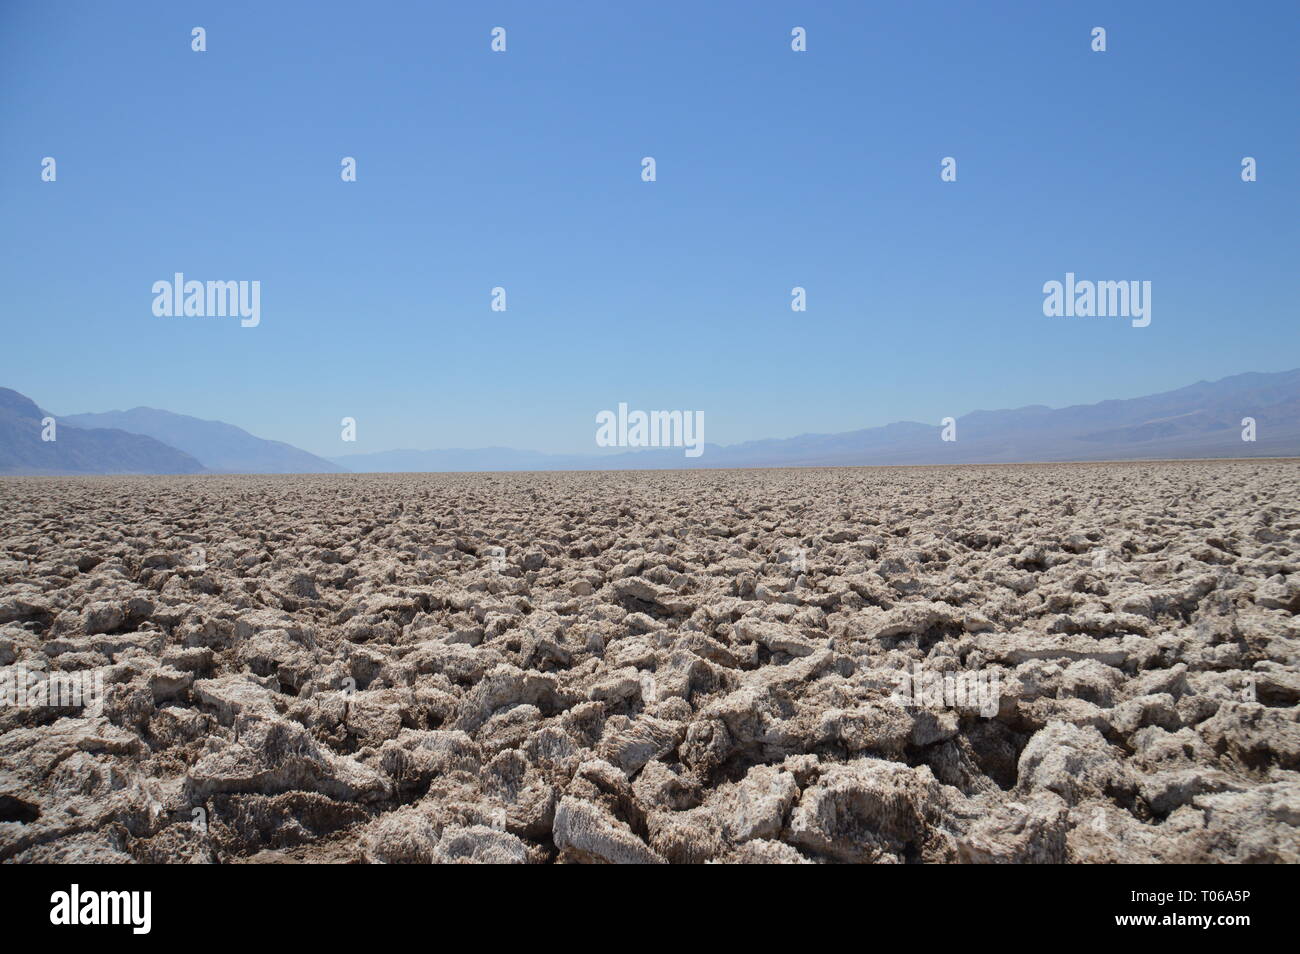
(1200, 420)
(1111, 429)
(78, 450)
(220, 447)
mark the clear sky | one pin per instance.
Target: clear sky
(775, 169)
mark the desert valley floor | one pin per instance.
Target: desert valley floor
(1048, 663)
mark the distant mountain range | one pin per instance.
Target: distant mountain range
(78, 450)
(222, 448)
(1201, 420)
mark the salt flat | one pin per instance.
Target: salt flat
(1014, 663)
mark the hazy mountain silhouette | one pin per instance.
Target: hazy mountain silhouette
(79, 450)
(1200, 420)
(220, 447)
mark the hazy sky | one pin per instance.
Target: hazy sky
(522, 169)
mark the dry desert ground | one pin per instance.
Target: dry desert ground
(1047, 663)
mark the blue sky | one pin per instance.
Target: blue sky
(522, 169)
